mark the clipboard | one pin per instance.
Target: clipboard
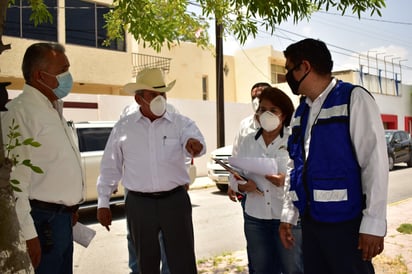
(234, 172)
(229, 168)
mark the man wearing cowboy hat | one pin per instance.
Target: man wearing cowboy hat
(147, 152)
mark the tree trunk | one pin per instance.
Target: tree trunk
(13, 253)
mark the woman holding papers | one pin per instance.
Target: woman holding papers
(268, 147)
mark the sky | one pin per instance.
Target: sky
(381, 42)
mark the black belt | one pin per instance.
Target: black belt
(157, 195)
(53, 207)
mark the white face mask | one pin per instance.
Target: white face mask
(255, 104)
(269, 121)
(158, 105)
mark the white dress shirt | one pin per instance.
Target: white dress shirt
(146, 156)
(58, 156)
(247, 126)
(368, 138)
(268, 206)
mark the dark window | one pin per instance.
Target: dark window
(80, 23)
(93, 139)
(18, 22)
(281, 78)
(278, 74)
(85, 25)
(205, 88)
(397, 137)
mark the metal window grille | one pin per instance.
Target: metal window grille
(142, 61)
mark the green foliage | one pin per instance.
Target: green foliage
(159, 22)
(156, 22)
(39, 14)
(14, 142)
(405, 228)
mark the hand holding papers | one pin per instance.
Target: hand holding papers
(234, 172)
(230, 169)
(257, 165)
(260, 166)
(82, 234)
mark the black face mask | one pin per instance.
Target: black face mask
(294, 84)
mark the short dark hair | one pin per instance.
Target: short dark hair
(314, 51)
(36, 57)
(280, 99)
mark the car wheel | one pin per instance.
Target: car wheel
(409, 163)
(391, 162)
(222, 187)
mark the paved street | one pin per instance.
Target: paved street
(219, 229)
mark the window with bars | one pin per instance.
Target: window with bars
(18, 24)
(277, 74)
(84, 24)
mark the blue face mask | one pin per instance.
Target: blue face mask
(65, 81)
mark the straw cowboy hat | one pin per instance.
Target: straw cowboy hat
(149, 79)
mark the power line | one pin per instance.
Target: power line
(350, 53)
(342, 51)
(367, 19)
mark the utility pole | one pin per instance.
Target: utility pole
(220, 99)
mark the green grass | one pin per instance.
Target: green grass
(405, 228)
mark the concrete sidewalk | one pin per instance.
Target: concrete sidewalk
(202, 182)
(398, 246)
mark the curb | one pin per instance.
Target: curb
(202, 182)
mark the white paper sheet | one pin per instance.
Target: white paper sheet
(82, 234)
(260, 166)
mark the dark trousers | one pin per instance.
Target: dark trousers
(265, 251)
(55, 233)
(331, 248)
(172, 215)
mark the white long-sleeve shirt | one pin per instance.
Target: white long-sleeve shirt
(58, 156)
(268, 206)
(247, 126)
(146, 156)
(368, 138)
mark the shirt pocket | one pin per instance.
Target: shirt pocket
(171, 149)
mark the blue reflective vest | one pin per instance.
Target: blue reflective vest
(328, 182)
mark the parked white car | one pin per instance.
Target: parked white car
(215, 171)
(92, 138)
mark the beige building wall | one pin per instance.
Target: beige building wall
(102, 71)
(94, 70)
(345, 75)
(252, 66)
(189, 65)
